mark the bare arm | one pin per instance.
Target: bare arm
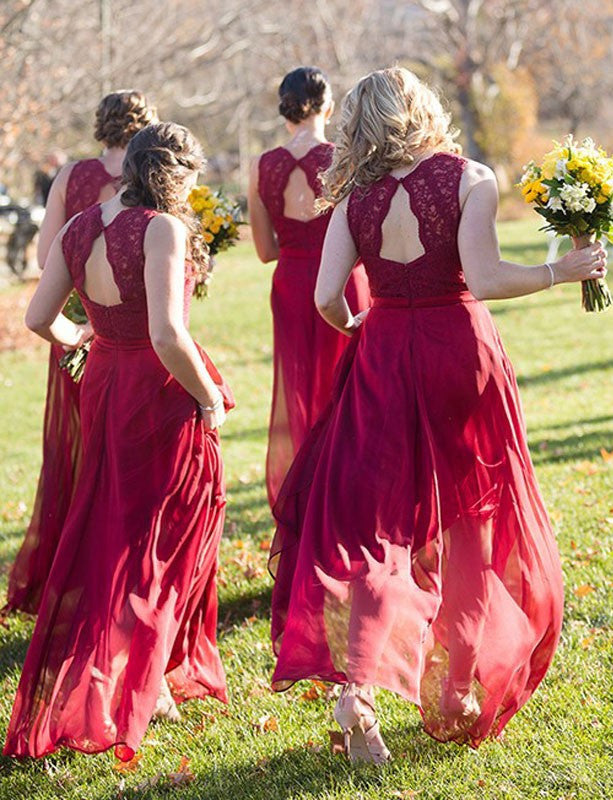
(487, 276)
(337, 260)
(164, 247)
(264, 238)
(55, 214)
(43, 315)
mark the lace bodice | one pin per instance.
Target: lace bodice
(86, 180)
(433, 194)
(124, 237)
(275, 168)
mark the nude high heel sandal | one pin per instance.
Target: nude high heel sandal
(355, 713)
(165, 707)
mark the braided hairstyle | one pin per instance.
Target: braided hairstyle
(158, 161)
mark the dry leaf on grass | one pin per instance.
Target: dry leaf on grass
(583, 590)
(266, 724)
(337, 743)
(128, 766)
(312, 693)
(183, 775)
(606, 455)
(586, 468)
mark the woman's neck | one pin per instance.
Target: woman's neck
(112, 158)
(312, 129)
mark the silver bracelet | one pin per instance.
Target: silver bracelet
(552, 274)
(209, 409)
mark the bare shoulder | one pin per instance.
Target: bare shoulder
(61, 179)
(478, 181)
(475, 172)
(165, 231)
(341, 208)
(254, 170)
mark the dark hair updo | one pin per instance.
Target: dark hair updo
(303, 92)
(158, 160)
(120, 115)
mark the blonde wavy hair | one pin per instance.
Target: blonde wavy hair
(387, 119)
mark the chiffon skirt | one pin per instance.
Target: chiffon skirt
(61, 459)
(306, 351)
(413, 551)
(131, 595)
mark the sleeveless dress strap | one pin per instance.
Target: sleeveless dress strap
(86, 180)
(78, 240)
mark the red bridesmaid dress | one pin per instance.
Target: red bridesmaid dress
(413, 551)
(131, 595)
(306, 348)
(61, 433)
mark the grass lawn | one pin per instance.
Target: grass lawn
(275, 747)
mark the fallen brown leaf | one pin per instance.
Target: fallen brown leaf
(266, 724)
(183, 775)
(128, 766)
(312, 693)
(586, 467)
(337, 743)
(583, 590)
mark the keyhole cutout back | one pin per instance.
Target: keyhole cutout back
(400, 240)
(99, 284)
(298, 197)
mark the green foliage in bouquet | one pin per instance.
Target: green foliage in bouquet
(573, 191)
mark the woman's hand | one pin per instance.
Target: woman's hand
(214, 413)
(580, 265)
(358, 320)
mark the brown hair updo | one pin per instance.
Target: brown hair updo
(120, 115)
(303, 91)
(158, 161)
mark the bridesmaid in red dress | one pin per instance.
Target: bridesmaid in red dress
(129, 610)
(78, 185)
(286, 227)
(413, 551)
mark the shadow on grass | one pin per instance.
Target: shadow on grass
(302, 772)
(7, 552)
(250, 433)
(573, 423)
(255, 603)
(13, 651)
(564, 372)
(571, 448)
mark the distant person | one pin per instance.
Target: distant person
(46, 174)
(413, 550)
(287, 228)
(128, 619)
(78, 185)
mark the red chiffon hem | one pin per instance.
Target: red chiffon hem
(412, 550)
(131, 595)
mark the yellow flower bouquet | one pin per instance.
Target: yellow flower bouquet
(220, 218)
(573, 191)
